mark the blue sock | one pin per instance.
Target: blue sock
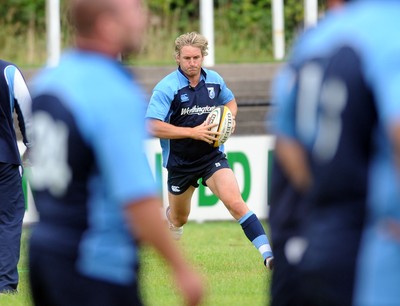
(255, 233)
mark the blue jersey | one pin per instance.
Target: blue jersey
(14, 96)
(362, 40)
(330, 109)
(339, 124)
(174, 101)
(89, 163)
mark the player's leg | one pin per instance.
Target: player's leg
(224, 185)
(179, 206)
(12, 209)
(181, 186)
(178, 211)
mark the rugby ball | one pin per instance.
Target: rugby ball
(224, 118)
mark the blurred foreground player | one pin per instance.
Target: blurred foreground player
(93, 188)
(325, 122)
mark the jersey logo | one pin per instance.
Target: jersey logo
(197, 110)
(217, 165)
(50, 155)
(175, 188)
(184, 98)
(211, 92)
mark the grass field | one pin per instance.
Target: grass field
(230, 264)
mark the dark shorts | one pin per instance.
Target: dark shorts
(55, 282)
(180, 181)
(327, 268)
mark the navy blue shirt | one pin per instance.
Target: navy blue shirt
(342, 73)
(329, 107)
(174, 101)
(14, 96)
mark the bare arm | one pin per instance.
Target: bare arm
(232, 105)
(166, 130)
(395, 138)
(147, 225)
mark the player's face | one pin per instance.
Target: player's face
(190, 61)
(132, 20)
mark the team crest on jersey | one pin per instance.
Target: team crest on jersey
(211, 92)
(184, 98)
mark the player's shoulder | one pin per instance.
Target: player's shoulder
(319, 39)
(212, 75)
(368, 28)
(4, 64)
(9, 72)
(171, 78)
(378, 21)
(171, 83)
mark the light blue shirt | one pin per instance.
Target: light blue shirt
(95, 99)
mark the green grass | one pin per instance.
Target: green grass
(231, 266)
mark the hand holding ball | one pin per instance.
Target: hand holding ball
(222, 116)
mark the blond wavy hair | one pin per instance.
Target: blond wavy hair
(193, 39)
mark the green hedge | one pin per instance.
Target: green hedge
(243, 29)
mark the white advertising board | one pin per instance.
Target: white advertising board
(249, 158)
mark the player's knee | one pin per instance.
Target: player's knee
(237, 208)
(181, 220)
